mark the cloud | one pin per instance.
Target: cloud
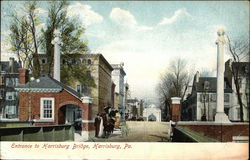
(84, 13)
(126, 19)
(177, 14)
(122, 17)
(41, 11)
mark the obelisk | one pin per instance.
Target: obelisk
(57, 57)
(220, 116)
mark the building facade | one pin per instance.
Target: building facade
(201, 103)
(241, 70)
(8, 96)
(134, 109)
(118, 75)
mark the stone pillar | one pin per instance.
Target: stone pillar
(57, 60)
(87, 122)
(220, 42)
(176, 109)
(87, 117)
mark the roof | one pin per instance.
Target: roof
(212, 85)
(46, 84)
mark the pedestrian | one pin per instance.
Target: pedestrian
(97, 124)
(101, 127)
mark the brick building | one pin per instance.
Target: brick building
(46, 101)
(100, 70)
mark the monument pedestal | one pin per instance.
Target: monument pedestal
(221, 117)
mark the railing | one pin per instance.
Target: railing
(41, 133)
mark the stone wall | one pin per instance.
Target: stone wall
(220, 132)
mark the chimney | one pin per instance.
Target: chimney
(23, 75)
(11, 65)
(197, 76)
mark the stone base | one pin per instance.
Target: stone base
(81, 136)
(221, 117)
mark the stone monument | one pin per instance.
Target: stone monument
(57, 57)
(220, 116)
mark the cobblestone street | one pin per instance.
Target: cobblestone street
(142, 131)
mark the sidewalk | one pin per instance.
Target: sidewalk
(117, 134)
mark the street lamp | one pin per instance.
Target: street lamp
(30, 112)
(205, 88)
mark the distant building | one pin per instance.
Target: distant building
(118, 75)
(152, 113)
(243, 79)
(8, 96)
(100, 70)
(202, 100)
(134, 109)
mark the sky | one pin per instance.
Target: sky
(147, 35)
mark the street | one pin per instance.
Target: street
(139, 131)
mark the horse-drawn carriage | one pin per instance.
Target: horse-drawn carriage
(109, 121)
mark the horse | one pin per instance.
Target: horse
(108, 125)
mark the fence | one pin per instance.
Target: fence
(41, 133)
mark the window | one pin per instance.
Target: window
(1, 80)
(213, 98)
(10, 110)
(88, 73)
(10, 95)
(43, 61)
(226, 97)
(84, 61)
(204, 97)
(247, 96)
(2, 94)
(9, 82)
(89, 61)
(238, 113)
(226, 110)
(63, 61)
(240, 82)
(78, 88)
(47, 108)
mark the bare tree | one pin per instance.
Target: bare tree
(239, 50)
(173, 83)
(25, 40)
